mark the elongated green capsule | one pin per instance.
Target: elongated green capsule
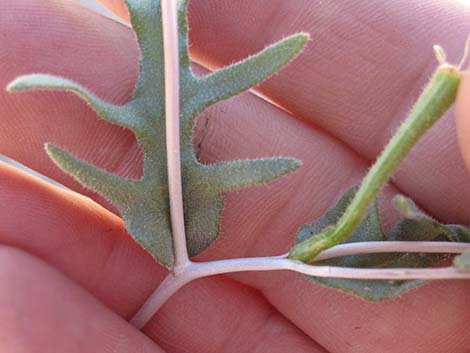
(438, 95)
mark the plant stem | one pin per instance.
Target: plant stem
(436, 98)
(196, 270)
(163, 292)
(210, 268)
(374, 247)
(171, 59)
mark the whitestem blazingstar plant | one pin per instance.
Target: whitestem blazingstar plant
(345, 249)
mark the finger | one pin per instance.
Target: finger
(263, 221)
(110, 289)
(463, 117)
(430, 319)
(111, 148)
(43, 311)
(117, 287)
(217, 314)
(358, 77)
(246, 238)
(90, 246)
(116, 150)
(358, 72)
(325, 191)
(433, 157)
(85, 241)
(378, 105)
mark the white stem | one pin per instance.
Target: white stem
(197, 270)
(163, 292)
(171, 57)
(203, 269)
(369, 247)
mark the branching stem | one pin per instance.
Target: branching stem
(194, 270)
(436, 98)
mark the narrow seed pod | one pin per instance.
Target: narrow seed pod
(438, 95)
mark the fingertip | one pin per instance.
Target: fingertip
(463, 117)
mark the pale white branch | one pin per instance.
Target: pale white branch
(163, 292)
(371, 247)
(210, 268)
(203, 269)
(171, 58)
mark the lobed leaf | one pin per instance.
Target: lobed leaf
(119, 115)
(414, 226)
(232, 175)
(240, 76)
(107, 184)
(144, 203)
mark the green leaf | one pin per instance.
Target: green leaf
(232, 175)
(250, 72)
(144, 203)
(111, 186)
(414, 226)
(142, 214)
(119, 115)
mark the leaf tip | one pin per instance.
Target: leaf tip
(285, 166)
(297, 42)
(303, 37)
(406, 207)
(34, 81)
(401, 204)
(58, 155)
(51, 149)
(295, 163)
(18, 84)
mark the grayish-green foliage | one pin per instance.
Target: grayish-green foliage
(144, 203)
(415, 225)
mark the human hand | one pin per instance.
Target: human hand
(346, 93)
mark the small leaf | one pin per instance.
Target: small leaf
(111, 186)
(114, 114)
(144, 203)
(416, 226)
(146, 218)
(249, 72)
(420, 227)
(232, 175)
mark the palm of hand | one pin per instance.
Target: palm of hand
(346, 105)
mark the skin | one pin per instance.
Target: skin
(71, 276)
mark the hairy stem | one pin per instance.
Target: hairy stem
(171, 58)
(436, 98)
